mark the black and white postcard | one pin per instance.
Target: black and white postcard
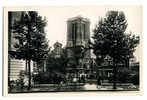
(73, 49)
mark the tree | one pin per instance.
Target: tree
(30, 33)
(57, 64)
(110, 39)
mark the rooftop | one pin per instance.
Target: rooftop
(78, 18)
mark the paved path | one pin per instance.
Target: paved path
(70, 88)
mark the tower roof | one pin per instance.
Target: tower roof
(78, 18)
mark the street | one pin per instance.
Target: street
(74, 88)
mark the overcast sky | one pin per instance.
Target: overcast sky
(57, 17)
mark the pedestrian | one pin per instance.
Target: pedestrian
(98, 82)
(74, 80)
(61, 83)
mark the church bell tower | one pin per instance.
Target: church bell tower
(78, 35)
(78, 52)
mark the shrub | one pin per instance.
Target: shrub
(124, 75)
(23, 79)
(135, 78)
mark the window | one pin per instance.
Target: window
(84, 30)
(74, 31)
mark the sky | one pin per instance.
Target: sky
(57, 16)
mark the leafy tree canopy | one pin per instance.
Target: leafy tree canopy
(30, 33)
(110, 37)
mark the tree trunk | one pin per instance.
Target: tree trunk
(26, 65)
(127, 63)
(28, 56)
(114, 75)
(29, 69)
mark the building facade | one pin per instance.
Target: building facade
(14, 65)
(57, 51)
